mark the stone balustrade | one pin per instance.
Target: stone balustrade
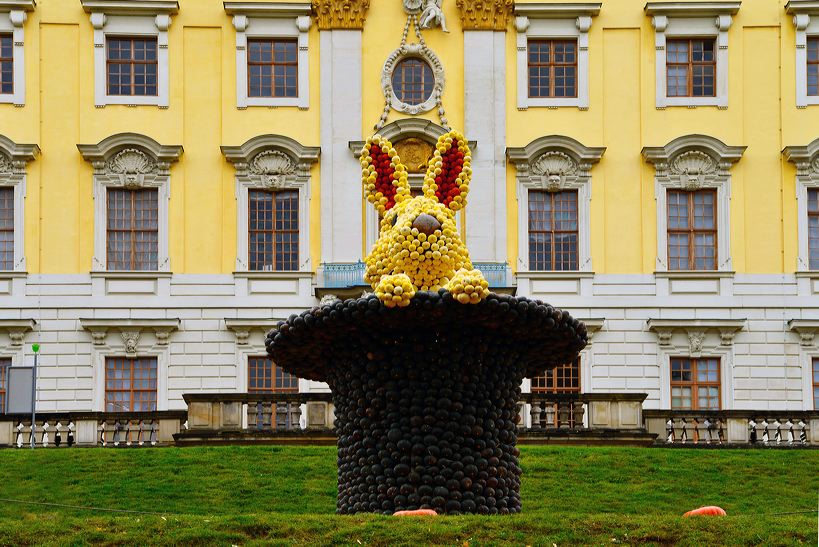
(88, 429)
(734, 427)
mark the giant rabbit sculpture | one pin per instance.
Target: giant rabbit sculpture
(419, 247)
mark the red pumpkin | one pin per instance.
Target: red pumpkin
(711, 510)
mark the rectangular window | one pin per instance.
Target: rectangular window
(691, 67)
(273, 225)
(4, 365)
(552, 68)
(561, 379)
(6, 64)
(695, 384)
(813, 228)
(130, 384)
(272, 68)
(131, 66)
(133, 229)
(692, 230)
(553, 234)
(813, 66)
(6, 228)
(816, 384)
(265, 377)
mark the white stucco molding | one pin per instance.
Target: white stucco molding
(564, 20)
(242, 328)
(16, 330)
(694, 162)
(13, 16)
(271, 20)
(130, 18)
(695, 329)
(272, 162)
(806, 329)
(404, 128)
(130, 160)
(130, 330)
(806, 160)
(806, 23)
(555, 163)
(593, 325)
(13, 160)
(691, 19)
(418, 51)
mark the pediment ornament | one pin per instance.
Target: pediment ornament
(692, 167)
(814, 165)
(5, 165)
(272, 167)
(131, 165)
(554, 167)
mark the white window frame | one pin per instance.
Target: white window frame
(116, 165)
(271, 20)
(553, 164)
(690, 163)
(13, 160)
(691, 19)
(134, 18)
(554, 21)
(806, 160)
(806, 24)
(272, 162)
(13, 21)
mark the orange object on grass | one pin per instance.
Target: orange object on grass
(416, 513)
(711, 510)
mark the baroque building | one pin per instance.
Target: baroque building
(178, 175)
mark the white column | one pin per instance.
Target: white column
(341, 122)
(485, 115)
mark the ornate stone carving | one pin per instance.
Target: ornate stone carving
(131, 341)
(485, 14)
(17, 337)
(695, 341)
(412, 6)
(554, 167)
(664, 336)
(418, 50)
(433, 15)
(272, 167)
(340, 14)
(692, 167)
(814, 165)
(415, 153)
(131, 165)
(6, 166)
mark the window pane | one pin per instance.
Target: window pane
(552, 68)
(133, 229)
(553, 230)
(6, 63)
(130, 384)
(272, 68)
(6, 228)
(413, 81)
(131, 66)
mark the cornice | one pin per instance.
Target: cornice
(243, 153)
(16, 329)
(558, 11)
(714, 147)
(692, 9)
(131, 7)
(268, 9)
(534, 149)
(796, 7)
(14, 5)
(485, 15)
(338, 14)
(109, 146)
(163, 324)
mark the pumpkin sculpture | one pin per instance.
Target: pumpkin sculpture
(419, 247)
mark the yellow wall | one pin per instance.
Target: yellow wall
(60, 112)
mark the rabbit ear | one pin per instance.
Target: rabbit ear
(383, 175)
(449, 171)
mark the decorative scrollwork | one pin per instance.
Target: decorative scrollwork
(485, 15)
(273, 167)
(413, 6)
(131, 165)
(554, 167)
(422, 52)
(340, 14)
(814, 165)
(6, 165)
(692, 167)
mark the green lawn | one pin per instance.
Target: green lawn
(262, 495)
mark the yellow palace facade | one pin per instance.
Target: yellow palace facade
(177, 175)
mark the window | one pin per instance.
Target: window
(6, 64)
(813, 228)
(413, 81)
(552, 68)
(553, 235)
(4, 365)
(132, 66)
(6, 228)
(561, 379)
(265, 377)
(272, 68)
(695, 384)
(692, 67)
(273, 226)
(816, 384)
(813, 66)
(130, 384)
(133, 229)
(692, 230)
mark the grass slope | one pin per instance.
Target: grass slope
(262, 495)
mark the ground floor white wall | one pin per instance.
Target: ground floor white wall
(202, 328)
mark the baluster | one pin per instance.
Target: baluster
(279, 414)
(154, 432)
(803, 432)
(519, 408)
(117, 433)
(707, 425)
(549, 415)
(45, 437)
(720, 431)
(764, 425)
(20, 428)
(535, 412)
(789, 429)
(752, 436)
(101, 431)
(777, 431)
(71, 428)
(297, 415)
(683, 431)
(578, 414)
(260, 415)
(141, 433)
(58, 436)
(32, 434)
(563, 414)
(669, 429)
